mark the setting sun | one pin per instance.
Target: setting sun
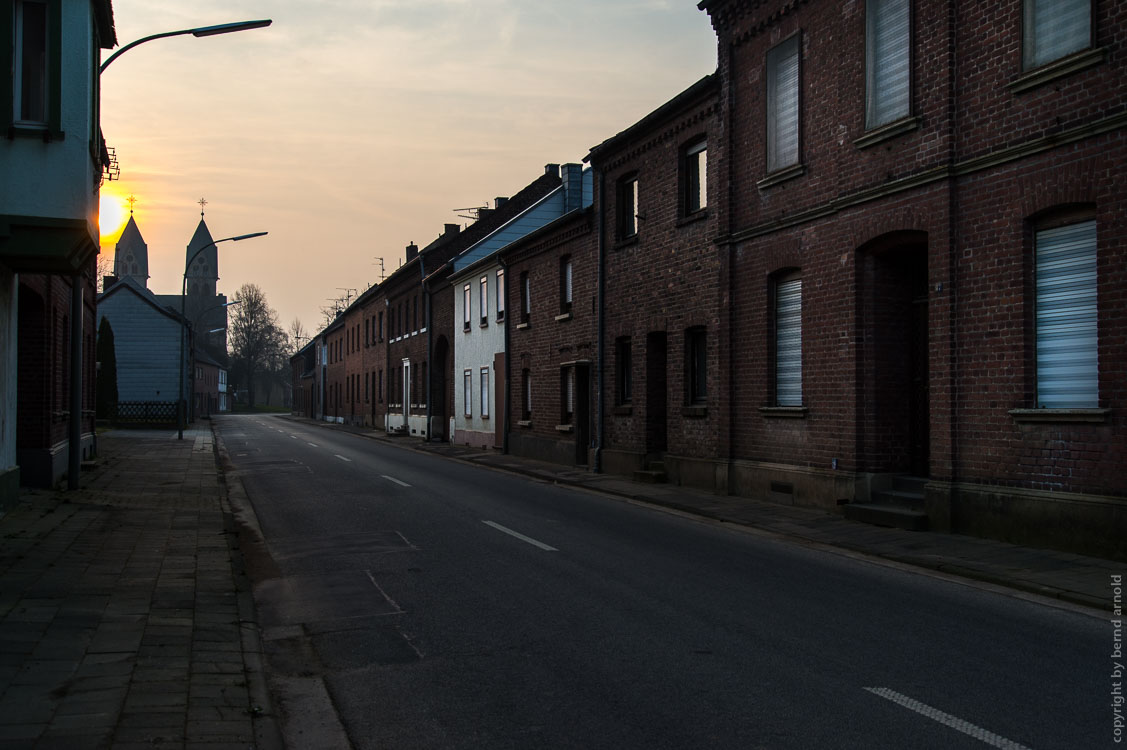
(112, 215)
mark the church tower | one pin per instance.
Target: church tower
(203, 305)
(131, 255)
(203, 274)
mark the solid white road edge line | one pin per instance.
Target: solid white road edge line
(947, 719)
(393, 479)
(312, 445)
(342, 458)
(521, 537)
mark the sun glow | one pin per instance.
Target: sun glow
(112, 215)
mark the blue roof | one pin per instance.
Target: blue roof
(538, 215)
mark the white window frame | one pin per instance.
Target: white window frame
(784, 104)
(526, 298)
(483, 300)
(888, 61)
(1067, 316)
(484, 392)
(18, 67)
(467, 392)
(500, 295)
(565, 284)
(1053, 29)
(696, 177)
(466, 307)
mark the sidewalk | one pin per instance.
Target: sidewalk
(1060, 575)
(125, 617)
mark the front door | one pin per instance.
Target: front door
(656, 398)
(582, 413)
(499, 415)
(406, 392)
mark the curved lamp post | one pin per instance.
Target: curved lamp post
(223, 28)
(181, 364)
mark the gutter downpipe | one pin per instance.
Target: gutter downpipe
(508, 368)
(601, 354)
(430, 343)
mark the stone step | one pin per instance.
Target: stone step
(650, 476)
(909, 483)
(899, 499)
(887, 515)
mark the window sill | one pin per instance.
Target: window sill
(500, 319)
(483, 324)
(1030, 416)
(1057, 69)
(564, 428)
(526, 423)
(623, 242)
(625, 410)
(485, 417)
(42, 133)
(466, 328)
(887, 132)
(783, 412)
(693, 218)
(782, 175)
(694, 411)
(522, 326)
(563, 316)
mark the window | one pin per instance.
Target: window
(415, 313)
(623, 365)
(500, 295)
(526, 394)
(1053, 29)
(887, 61)
(627, 208)
(788, 341)
(367, 338)
(367, 389)
(782, 105)
(381, 385)
(466, 307)
(1066, 317)
(696, 365)
(381, 326)
(422, 397)
(525, 298)
(485, 392)
(483, 300)
(567, 395)
(467, 392)
(695, 168)
(565, 284)
(31, 77)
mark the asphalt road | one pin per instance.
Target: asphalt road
(447, 606)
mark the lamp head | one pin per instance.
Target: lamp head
(227, 28)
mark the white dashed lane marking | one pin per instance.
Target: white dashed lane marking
(946, 719)
(522, 537)
(342, 458)
(393, 479)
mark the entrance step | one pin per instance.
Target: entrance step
(887, 515)
(902, 507)
(653, 473)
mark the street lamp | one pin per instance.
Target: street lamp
(183, 329)
(223, 28)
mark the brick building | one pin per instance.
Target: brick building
(923, 246)
(664, 396)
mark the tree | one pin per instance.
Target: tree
(105, 395)
(257, 342)
(298, 336)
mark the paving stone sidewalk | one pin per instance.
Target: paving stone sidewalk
(1073, 578)
(125, 618)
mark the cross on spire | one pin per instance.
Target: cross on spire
(202, 202)
(131, 200)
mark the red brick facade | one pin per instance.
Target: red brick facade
(850, 300)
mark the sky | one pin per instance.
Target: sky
(349, 129)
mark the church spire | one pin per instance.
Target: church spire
(131, 254)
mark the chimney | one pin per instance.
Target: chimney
(107, 282)
(412, 251)
(498, 202)
(552, 170)
(451, 229)
(572, 177)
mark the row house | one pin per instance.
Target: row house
(921, 238)
(52, 158)
(481, 302)
(875, 263)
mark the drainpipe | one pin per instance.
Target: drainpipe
(74, 464)
(508, 368)
(430, 340)
(600, 336)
